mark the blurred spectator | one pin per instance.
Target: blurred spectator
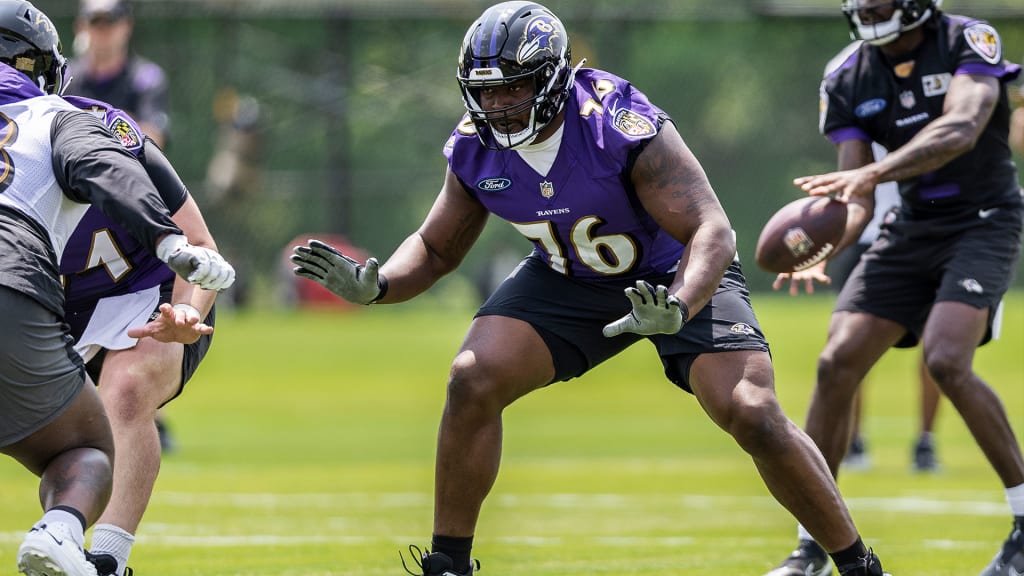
(235, 170)
(234, 176)
(1017, 119)
(104, 67)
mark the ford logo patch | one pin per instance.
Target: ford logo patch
(493, 184)
(869, 108)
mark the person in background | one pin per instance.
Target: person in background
(61, 161)
(630, 244)
(932, 89)
(106, 69)
(1017, 119)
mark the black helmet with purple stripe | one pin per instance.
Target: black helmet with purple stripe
(510, 42)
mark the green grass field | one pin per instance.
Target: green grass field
(306, 448)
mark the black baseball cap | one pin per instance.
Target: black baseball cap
(109, 9)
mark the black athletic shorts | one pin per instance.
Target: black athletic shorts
(914, 264)
(569, 314)
(40, 372)
(841, 265)
(194, 352)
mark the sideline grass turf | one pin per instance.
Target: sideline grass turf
(306, 448)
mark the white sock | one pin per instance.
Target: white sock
(73, 523)
(802, 533)
(109, 539)
(1015, 496)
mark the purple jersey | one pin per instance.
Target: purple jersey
(101, 258)
(583, 216)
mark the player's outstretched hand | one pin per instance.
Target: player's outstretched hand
(346, 278)
(805, 278)
(200, 266)
(177, 323)
(655, 311)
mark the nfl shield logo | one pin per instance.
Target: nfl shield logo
(907, 99)
(547, 189)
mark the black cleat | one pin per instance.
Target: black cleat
(865, 566)
(857, 455)
(106, 565)
(925, 458)
(436, 564)
(808, 559)
(1010, 559)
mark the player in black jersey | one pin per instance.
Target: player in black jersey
(931, 88)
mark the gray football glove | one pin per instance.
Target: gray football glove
(346, 278)
(200, 266)
(654, 312)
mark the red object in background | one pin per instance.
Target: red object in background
(306, 293)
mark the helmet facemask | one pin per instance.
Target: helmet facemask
(906, 15)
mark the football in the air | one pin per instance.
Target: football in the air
(801, 234)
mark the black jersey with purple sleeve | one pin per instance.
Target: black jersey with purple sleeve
(871, 97)
(583, 216)
(101, 258)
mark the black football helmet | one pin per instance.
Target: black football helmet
(510, 42)
(907, 15)
(29, 43)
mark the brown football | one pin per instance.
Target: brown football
(801, 234)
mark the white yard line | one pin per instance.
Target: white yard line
(184, 535)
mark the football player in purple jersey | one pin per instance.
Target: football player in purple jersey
(932, 89)
(56, 162)
(629, 243)
(141, 331)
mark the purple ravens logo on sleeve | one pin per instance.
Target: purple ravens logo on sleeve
(539, 33)
(126, 133)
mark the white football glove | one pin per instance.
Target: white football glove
(346, 278)
(200, 266)
(654, 312)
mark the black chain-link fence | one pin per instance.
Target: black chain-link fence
(314, 116)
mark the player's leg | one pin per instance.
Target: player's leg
(857, 452)
(950, 339)
(978, 268)
(133, 384)
(924, 456)
(840, 269)
(537, 328)
(736, 389)
(52, 422)
(500, 360)
(856, 342)
(951, 334)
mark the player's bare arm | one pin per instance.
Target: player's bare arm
(853, 154)
(192, 223)
(966, 111)
(672, 186)
(449, 231)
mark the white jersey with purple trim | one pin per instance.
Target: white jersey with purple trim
(29, 186)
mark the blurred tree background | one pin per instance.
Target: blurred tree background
(292, 117)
